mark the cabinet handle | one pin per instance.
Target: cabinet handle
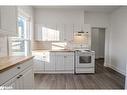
(18, 67)
(20, 75)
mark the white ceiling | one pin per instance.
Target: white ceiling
(106, 9)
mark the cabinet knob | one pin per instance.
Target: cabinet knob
(18, 77)
(18, 67)
(65, 56)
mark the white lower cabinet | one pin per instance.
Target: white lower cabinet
(11, 84)
(28, 79)
(64, 61)
(39, 61)
(54, 62)
(23, 80)
(59, 61)
(69, 62)
(50, 62)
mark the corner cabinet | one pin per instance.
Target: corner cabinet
(8, 20)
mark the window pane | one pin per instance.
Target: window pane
(21, 25)
(18, 47)
(19, 44)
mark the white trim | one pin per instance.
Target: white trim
(116, 69)
(55, 72)
(24, 14)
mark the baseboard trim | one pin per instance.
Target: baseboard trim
(116, 69)
(55, 72)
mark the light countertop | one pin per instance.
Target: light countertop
(59, 50)
(10, 61)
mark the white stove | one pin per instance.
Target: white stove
(84, 61)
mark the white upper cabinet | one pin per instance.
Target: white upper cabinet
(61, 29)
(59, 32)
(8, 20)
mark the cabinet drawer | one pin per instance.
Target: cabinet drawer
(26, 64)
(5, 76)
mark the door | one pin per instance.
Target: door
(13, 83)
(69, 62)
(50, 61)
(98, 42)
(60, 58)
(38, 61)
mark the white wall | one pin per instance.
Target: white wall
(118, 45)
(3, 46)
(59, 16)
(97, 19)
(101, 20)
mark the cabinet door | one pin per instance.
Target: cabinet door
(59, 61)
(28, 79)
(50, 62)
(38, 32)
(11, 84)
(61, 29)
(69, 62)
(9, 19)
(69, 32)
(38, 61)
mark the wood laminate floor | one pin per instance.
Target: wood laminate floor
(104, 78)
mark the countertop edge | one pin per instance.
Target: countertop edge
(16, 63)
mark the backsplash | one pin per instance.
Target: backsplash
(39, 45)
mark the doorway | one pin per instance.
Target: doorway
(98, 42)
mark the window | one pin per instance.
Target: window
(50, 34)
(19, 46)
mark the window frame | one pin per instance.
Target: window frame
(27, 38)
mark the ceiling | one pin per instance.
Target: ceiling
(106, 9)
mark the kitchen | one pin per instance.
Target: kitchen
(54, 46)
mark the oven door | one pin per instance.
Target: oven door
(84, 60)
